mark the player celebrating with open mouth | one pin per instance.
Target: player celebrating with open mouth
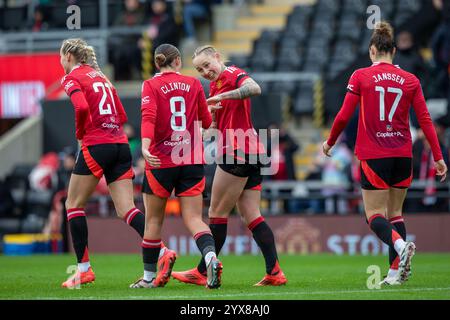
(237, 180)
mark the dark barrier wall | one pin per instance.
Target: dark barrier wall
(59, 123)
(296, 235)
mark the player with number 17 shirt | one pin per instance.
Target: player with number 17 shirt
(384, 145)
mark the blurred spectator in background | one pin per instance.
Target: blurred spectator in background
(134, 14)
(125, 54)
(194, 9)
(441, 51)
(67, 158)
(335, 172)
(424, 171)
(162, 29)
(6, 200)
(133, 141)
(408, 57)
(283, 154)
(139, 172)
(44, 176)
(40, 20)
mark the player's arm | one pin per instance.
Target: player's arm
(73, 89)
(344, 115)
(148, 120)
(203, 112)
(119, 107)
(342, 118)
(426, 124)
(247, 88)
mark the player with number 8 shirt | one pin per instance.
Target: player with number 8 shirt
(385, 93)
(174, 110)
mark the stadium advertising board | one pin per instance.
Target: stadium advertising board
(25, 79)
(294, 235)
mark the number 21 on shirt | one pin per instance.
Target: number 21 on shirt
(100, 85)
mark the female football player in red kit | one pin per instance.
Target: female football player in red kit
(235, 184)
(174, 110)
(384, 146)
(99, 119)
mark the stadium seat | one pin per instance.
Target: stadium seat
(303, 105)
(242, 61)
(344, 50)
(289, 59)
(386, 6)
(354, 6)
(90, 16)
(262, 61)
(19, 185)
(323, 29)
(327, 6)
(412, 6)
(13, 18)
(349, 28)
(288, 87)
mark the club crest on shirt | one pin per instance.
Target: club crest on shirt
(219, 84)
(68, 85)
(388, 128)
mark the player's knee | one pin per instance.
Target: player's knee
(73, 203)
(217, 213)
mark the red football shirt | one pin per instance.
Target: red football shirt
(174, 109)
(234, 118)
(385, 93)
(99, 114)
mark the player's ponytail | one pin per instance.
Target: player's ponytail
(92, 58)
(165, 54)
(383, 38)
(81, 51)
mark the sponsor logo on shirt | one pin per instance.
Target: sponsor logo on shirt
(350, 87)
(181, 141)
(145, 100)
(389, 134)
(110, 126)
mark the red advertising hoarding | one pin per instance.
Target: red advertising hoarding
(25, 79)
(293, 235)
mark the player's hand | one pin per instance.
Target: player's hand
(213, 107)
(441, 169)
(326, 149)
(151, 159)
(214, 100)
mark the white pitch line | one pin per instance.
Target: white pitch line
(230, 295)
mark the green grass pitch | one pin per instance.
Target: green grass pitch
(318, 277)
